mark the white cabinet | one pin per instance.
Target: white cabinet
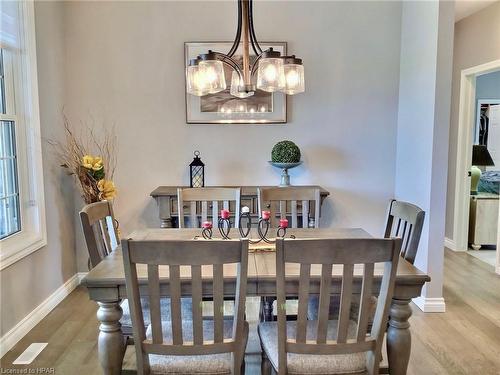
(483, 220)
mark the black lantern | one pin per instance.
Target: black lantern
(197, 171)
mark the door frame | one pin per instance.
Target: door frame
(466, 124)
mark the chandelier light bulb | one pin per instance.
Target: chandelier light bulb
(212, 72)
(236, 83)
(196, 83)
(270, 74)
(294, 76)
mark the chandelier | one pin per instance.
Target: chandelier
(269, 71)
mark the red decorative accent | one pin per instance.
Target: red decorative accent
(207, 225)
(266, 215)
(224, 214)
(283, 223)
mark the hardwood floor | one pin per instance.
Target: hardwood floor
(464, 340)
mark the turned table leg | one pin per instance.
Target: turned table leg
(398, 336)
(111, 343)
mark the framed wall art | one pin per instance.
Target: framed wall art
(223, 108)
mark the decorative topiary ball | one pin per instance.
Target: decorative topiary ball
(285, 152)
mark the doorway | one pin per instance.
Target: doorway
(469, 132)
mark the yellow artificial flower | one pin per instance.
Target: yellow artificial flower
(94, 163)
(107, 189)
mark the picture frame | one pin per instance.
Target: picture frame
(222, 107)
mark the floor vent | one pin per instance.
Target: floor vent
(30, 353)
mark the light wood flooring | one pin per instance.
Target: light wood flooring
(464, 340)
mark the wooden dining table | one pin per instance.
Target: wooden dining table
(106, 286)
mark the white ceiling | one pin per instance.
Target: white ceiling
(464, 8)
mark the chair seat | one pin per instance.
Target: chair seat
(193, 364)
(126, 320)
(312, 363)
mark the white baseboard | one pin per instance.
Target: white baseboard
(450, 244)
(81, 276)
(430, 305)
(12, 337)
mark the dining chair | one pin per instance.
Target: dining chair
(404, 220)
(179, 346)
(298, 198)
(208, 198)
(100, 232)
(278, 200)
(325, 346)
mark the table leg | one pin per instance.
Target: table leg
(165, 206)
(111, 343)
(398, 336)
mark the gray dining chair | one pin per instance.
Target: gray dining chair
(325, 346)
(210, 199)
(100, 232)
(284, 202)
(288, 202)
(178, 346)
(404, 220)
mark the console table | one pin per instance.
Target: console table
(166, 198)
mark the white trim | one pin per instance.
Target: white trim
(430, 305)
(33, 234)
(12, 337)
(81, 276)
(450, 244)
(466, 121)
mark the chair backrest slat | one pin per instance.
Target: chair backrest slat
(405, 220)
(175, 303)
(305, 272)
(99, 231)
(218, 285)
(154, 303)
(204, 196)
(345, 303)
(327, 253)
(324, 303)
(276, 200)
(364, 313)
(178, 256)
(196, 291)
(204, 211)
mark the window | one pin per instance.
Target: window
(10, 218)
(22, 211)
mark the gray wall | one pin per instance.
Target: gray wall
(27, 283)
(477, 41)
(128, 69)
(488, 86)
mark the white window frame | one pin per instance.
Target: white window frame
(33, 233)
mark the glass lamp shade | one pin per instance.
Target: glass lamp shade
(270, 74)
(294, 79)
(196, 84)
(236, 82)
(212, 72)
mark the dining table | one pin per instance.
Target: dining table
(106, 285)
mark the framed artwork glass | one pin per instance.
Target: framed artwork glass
(223, 108)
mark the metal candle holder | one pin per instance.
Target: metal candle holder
(245, 215)
(224, 225)
(207, 231)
